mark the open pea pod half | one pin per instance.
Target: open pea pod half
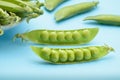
(60, 37)
(72, 55)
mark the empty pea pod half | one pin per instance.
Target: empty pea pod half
(72, 55)
(105, 19)
(60, 37)
(72, 10)
(51, 5)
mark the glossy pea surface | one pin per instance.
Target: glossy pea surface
(61, 37)
(71, 55)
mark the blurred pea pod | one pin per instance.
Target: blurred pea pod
(51, 5)
(105, 19)
(22, 8)
(8, 18)
(69, 11)
(24, 4)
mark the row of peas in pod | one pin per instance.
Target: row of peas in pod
(67, 37)
(14, 11)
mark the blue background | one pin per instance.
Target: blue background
(18, 60)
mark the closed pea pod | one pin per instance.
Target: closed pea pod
(73, 10)
(61, 37)
(72, 55)
(105, 19)
(13, 7)
(21, 8)
(51, 5)
(8, 18)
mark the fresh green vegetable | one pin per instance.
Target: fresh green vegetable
(22, 8)
(14, 7)
(69, 11)
(51, 5)
(8, 18)
(105, 19)
(79, 36)
(72, 55)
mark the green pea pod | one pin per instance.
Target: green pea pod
(24, 4)
(51, 5)
(69, 11)
(35, 3)
(8, 18)
(13, 7)
(105, 19)
(72, 55)
(3, 14)
(60, 37)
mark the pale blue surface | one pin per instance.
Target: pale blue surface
(17, 59)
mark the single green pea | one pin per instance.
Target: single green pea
(51, 5)
(85, 33)
(45, 35)
(76, 35)
(78, 54)
(87, 54)
(68, 36)
(61, 37)
(94, 51)
(72, 55)
(72, 10)
(53, 36)
(54, 56)
(105, 19)
(63, 56)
